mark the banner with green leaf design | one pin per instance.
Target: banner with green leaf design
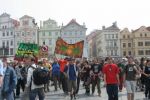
(72, 50)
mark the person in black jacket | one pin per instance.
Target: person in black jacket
(147, 81)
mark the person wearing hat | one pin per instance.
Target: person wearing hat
(9, 81)
(71, 71)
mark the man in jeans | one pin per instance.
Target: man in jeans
(111, 79)
(71, 71)
(9, 81)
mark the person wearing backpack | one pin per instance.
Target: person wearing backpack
(71, 72)
(34, 88)
(56, 73)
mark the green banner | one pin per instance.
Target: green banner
(26, 49)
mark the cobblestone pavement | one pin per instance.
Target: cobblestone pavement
(58, 95)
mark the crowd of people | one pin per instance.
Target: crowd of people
(34, 78)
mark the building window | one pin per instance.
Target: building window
(3, 44)
(147, 52)
(124, 53)
(116, 36)
(147, 43)
(141, 52)
(5, 27)
(50, 42)
(145, 35)
(11, 43)
(129, 44)
(80, 32)
(141, 35)
(128, 36)
(11, 33)
(115, 44)
(3, 33)
(112, 36)
(129, 53)
(70, 32)
(124, 45)
(11, 51)
(7, 43)
(22, 33)
(108, 36)
(18, 43)
(115, 52)
(7, 33)
(111, 52)
(124, 36)
(65, 33)
(43, 42)
(75, 32)
(50, 33)
(140, 43)
(43, 34)
(71, 41)
(107, 52)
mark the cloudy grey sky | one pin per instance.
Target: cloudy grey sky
(95, 13)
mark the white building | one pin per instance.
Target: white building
(7, 30)
(74, 32)
(108, 41)
(27, 31)
(48, 34)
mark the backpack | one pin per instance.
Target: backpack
(41, 75)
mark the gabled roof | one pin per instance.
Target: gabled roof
(138, 29)
(148, 28)
(26, 16)
(125, 30)
(74, 21)
(4, 15)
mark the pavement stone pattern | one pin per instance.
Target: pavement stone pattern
(59, 95)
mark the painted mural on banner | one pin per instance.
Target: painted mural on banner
(72, 50)
(25, 50)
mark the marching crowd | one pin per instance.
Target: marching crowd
(35, 78)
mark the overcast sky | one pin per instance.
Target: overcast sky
(95, 13)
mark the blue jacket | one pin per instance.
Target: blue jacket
(10, 80)
(55, 69)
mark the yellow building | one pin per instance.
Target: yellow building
(135, 43)
(126, 40)
(141, 42)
